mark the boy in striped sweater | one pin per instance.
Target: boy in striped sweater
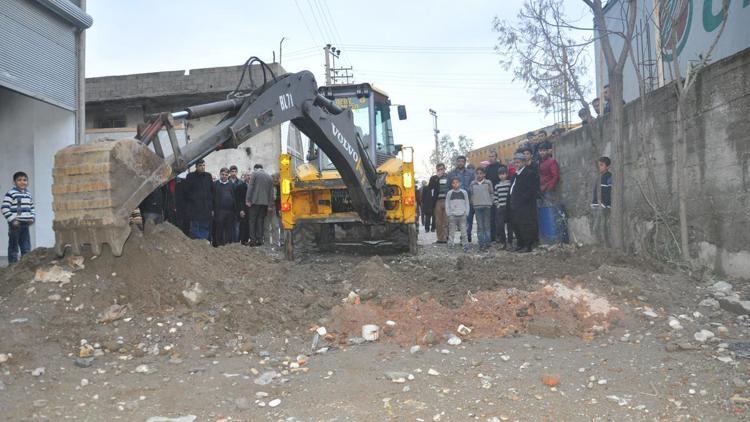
(18, 209)
(502, 219)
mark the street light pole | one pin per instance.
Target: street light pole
(280, 46)
(435, 129)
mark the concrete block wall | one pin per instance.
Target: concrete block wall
(157, 84)
(718, 168)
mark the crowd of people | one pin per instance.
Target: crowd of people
(223, 210)
(504, 198)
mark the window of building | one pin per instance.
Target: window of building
(109, 122)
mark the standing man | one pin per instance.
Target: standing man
(491, 171)
(199, 198)
(465, 176)
(244, 231)
(523, 194)
(233, 175)
(440, 185)
(18, 209)
(549, 175)
(153, 206)
(259, 196)
(236, 182)
(225, 208)
(427, 207)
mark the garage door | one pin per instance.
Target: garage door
(38, 49)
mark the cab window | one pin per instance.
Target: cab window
(383, 128)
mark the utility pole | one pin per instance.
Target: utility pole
(327, 50)
(435, 129)
(332, 72)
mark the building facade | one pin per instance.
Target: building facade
(115, 105)
(42, 50)
(669, 29)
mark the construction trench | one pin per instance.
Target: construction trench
(178, 330)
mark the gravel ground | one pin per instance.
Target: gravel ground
(244, 352)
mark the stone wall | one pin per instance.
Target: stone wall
(718, 168)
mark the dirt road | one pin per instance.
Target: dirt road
(228, 333)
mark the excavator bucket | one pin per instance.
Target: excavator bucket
(95, 188)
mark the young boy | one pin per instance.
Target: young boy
(457, 208)
(481, 198)
(602, 202)
(502, 220)
(18, 209)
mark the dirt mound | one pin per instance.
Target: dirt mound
(557, 309)
(375, 275)
(218, 295)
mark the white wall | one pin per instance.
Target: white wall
(264, 147)
(31, 131)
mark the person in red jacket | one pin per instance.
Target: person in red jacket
(549, 175)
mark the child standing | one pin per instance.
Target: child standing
(481, 198)
(601, 203)
(18, 209)
(502, 220)
(457, 208)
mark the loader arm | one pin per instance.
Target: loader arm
(97, 185)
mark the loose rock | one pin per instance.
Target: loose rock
(194, 295)
(266, 377)
(83, 362)
(703, 335)
(397, 377)
(709, 303)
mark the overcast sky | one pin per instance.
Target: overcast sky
(425, 54)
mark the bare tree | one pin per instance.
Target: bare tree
(683, 86)
(450, 149)
(547, 53)
(615, 65)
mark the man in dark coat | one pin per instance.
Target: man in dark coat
(152, 207)
(199, 195)
(427, 207)
(225, 209)
(259, 196)
(439, 185)
(523, 193)
(244, 229)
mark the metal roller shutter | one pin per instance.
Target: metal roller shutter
(38, 53)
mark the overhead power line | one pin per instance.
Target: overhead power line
(302, 15)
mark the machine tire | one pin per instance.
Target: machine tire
(289, 245)
(326, 237)
(413, 239)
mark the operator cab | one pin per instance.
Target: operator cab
(371, 111)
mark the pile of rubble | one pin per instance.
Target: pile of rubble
(556, 309)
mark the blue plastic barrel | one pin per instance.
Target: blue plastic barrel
(548, 225)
